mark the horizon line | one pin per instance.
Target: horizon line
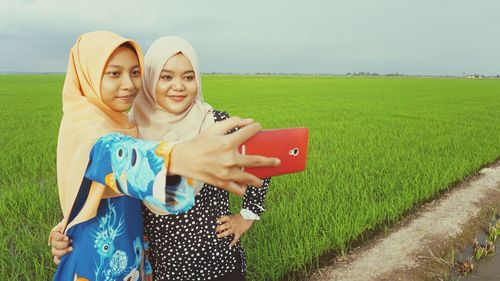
(360, 73)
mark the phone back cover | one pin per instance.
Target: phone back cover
(289, 145)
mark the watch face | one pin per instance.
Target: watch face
(249, 215)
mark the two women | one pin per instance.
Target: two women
(104, 171)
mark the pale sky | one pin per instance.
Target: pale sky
(428, 37)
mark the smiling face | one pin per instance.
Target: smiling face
(177, 88)
(121, 79)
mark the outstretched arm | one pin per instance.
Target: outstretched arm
(137, 168)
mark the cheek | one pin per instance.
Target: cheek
(161, 89)
(137, 82)
(193, 90)
(108, 89)
(162, 101)
(161, 94)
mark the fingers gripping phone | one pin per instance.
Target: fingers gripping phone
(289, 145)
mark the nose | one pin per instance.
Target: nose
(127, 82)
(178, 85)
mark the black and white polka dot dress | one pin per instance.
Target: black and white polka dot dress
(185, 246)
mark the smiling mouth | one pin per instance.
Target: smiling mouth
(128, 98)
(176, 98)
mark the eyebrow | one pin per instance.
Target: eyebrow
(119, 66)
(187, 71)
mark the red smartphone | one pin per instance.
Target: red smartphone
(289, 145)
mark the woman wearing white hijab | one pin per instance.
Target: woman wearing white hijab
(190, 246)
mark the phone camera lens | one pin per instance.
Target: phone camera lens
(294, 152)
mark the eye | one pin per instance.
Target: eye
(113, 74)
(105, 247)
(120, 152)
(134, 157)
(166, 77)
(136, 73)
(189, 78)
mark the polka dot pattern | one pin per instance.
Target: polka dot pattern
(185, 246)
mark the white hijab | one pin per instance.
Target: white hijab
(153, 121)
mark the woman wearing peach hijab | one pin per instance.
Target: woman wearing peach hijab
(99, 160)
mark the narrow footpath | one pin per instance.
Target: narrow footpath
(409, 251)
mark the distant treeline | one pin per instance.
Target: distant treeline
(361, 73)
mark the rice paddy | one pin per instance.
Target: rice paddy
(378, 147)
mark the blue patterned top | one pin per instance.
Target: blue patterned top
(111, 245)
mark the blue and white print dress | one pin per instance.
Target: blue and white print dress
(111, 245)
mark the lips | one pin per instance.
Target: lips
(176, 98)
(129, 98)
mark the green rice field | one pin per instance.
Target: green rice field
(378, 148)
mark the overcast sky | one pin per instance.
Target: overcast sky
(436, 37)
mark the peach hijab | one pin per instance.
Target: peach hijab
(86, 118)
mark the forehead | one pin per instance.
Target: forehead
(178, 62)
(123, 57)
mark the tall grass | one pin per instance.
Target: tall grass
(29, 119)
(378, 147)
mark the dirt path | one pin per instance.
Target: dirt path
(404, 253)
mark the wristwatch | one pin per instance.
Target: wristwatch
(249, 215)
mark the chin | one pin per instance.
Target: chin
(177, 109)
(122, 108)
(183, 110)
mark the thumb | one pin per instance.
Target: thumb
(235, 240)
(233, 187)
(58, 228)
